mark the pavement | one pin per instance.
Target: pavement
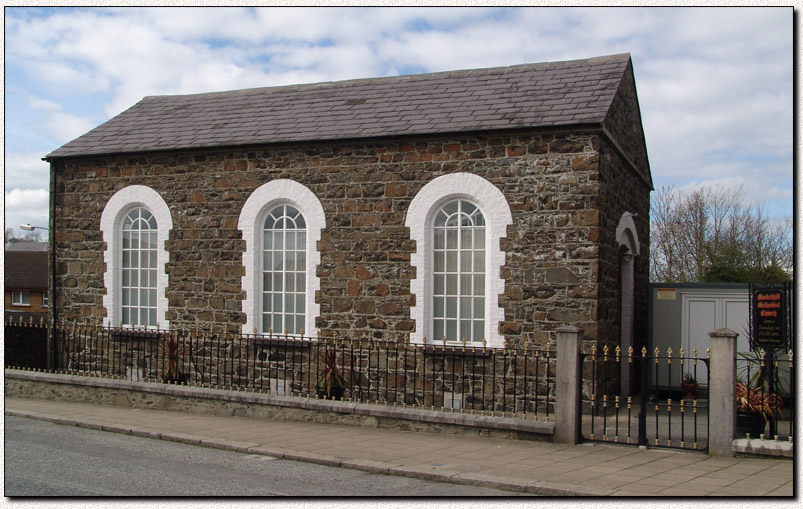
(542, 468)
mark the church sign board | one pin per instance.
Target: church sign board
(769, 317)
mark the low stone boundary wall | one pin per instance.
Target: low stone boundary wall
(154, 396)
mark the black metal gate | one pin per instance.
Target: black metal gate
(650, 399)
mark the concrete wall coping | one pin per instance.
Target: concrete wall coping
(343, 407)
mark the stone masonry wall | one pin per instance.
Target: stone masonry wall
(552, 267)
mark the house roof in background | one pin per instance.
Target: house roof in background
(523, 96)
(26, 270)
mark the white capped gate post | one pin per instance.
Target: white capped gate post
(567, 385)
(721, 392)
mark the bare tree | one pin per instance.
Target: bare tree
(11, 237)
(711, 235)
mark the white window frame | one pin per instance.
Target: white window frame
(45, 300)
(285, 293)
(18, 298)
(420, 215)
(111, 220)
(252, 219)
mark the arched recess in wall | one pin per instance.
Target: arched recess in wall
(420, 219)
(262, 202)
(627, 240)
(117, 215)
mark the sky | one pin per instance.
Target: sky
(715, 85)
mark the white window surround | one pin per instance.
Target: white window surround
(118, 206)
(494, 207)
(252, 219)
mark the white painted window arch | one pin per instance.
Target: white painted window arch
(135, 199)
(421, 216)
(268, 200)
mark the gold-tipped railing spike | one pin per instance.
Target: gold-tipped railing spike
(618, 353)
(630, 354)
(594, 352)
(669, 355)
(694, 357)
(425, 341)
(682, 354)
(657, 352)
(605, 353)
(708, 353)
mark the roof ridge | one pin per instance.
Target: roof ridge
(400, 77)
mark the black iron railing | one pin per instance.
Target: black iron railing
(766, 380)
(513, 382)
(664, 403)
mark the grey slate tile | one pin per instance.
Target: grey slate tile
(476, 99)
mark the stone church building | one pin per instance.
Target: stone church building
(486, 205)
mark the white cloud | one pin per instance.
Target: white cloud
(715, 85)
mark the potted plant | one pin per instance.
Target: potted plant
(173, 373)
(689, 386)
(331, 384)
(754, 407)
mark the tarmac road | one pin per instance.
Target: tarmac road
(45, 459)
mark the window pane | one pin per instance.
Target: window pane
(465, 284)
(301, 282)
(451, 261)
(451, 307)
(440, 285)
(479, 238)
(479, 285)
(439, 261)
(451, 239)
(465, 239)
(478, 332)
(465, 261)
(479, 261)
(439, 239)
(451, 330)
(289, 304)
(465, 329)
(451, 284)
(438, 307)
(300, 304)
(301, 241)
(465, 307)
(267, 281)
(301, 260)
(479, 307)
(438, 330)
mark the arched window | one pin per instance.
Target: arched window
(457, 222)
(139, 280)
(284, 270)
(458, 273)
(281, 223)
(136, 223)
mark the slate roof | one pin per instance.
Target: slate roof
(530, 95)
(26, 270)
